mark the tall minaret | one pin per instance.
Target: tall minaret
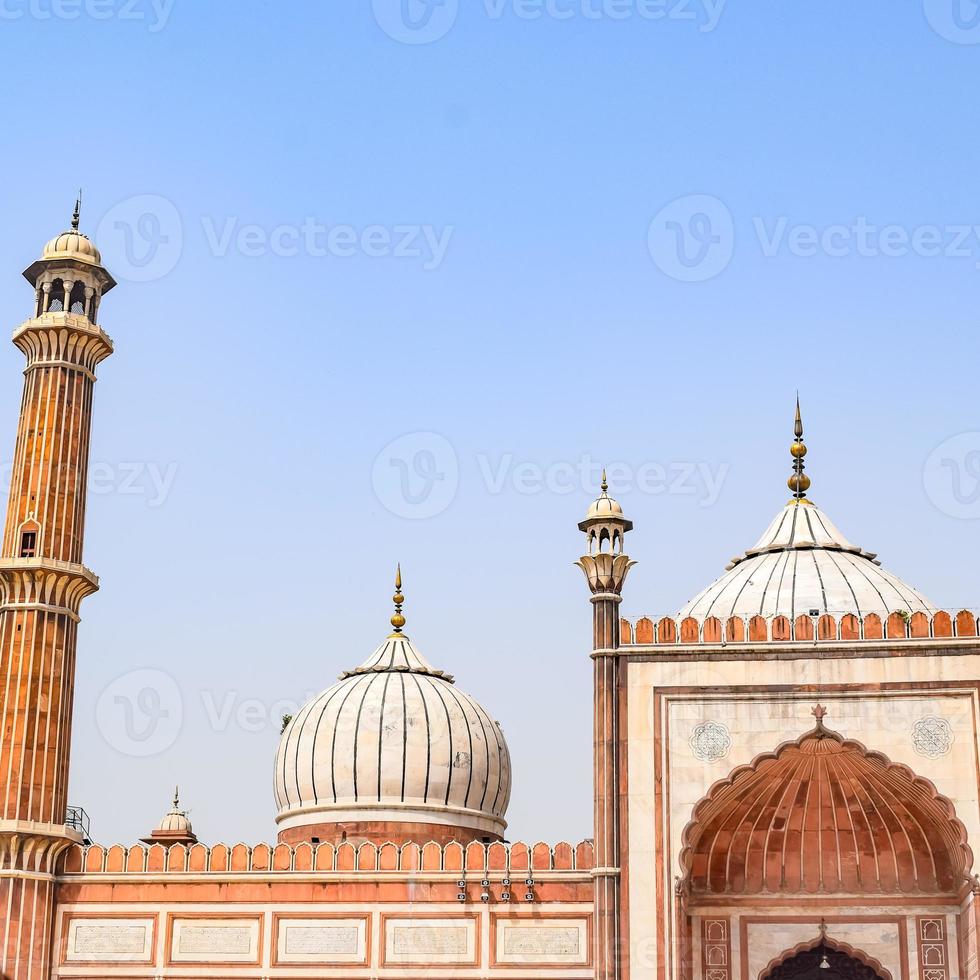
(606, 567)
(42, 584)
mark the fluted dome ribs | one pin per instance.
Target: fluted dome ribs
(825, 815)
(396, 737)
(803, 563)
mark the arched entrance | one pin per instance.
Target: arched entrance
(822, 962)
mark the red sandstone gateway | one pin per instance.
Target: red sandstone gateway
(735, 837)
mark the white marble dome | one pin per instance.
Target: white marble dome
(72, 245)
(394, 741)
(803, 563)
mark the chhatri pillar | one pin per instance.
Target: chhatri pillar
(606, 566)
(42, 584)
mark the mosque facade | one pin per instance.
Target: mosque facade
(786, 772)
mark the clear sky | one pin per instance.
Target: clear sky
(385, 300)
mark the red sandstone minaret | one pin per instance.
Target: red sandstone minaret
(606, 566)
(42, 584)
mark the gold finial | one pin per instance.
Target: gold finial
(398, 620)
(799, 482)
(78, 209)
(605, 481)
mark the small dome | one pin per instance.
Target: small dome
(802, 562)
(604, 507)
(394, 742)
(174, 828)
(72, 245)
(175, 822)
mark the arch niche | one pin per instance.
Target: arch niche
(824, 815)
(825, 960)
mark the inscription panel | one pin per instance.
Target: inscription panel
(109, 941)
(215, 941)
(434, 941)
(542, 942)
(307, 941)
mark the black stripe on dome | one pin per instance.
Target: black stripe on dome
(428, 742)
(333, 743)
(316, 735)
(469, 735)
(381, 732)
(847, 582)
(357, 728)
(401, 677)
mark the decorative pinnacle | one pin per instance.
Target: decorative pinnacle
(176, 799)
(78, 209)
(398, 620)
(820, 712)
(799, 482)
(605, 482)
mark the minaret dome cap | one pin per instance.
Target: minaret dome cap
(605, 508)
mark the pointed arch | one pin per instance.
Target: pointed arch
(870, 967)
(746, 836)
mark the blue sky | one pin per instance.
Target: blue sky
(387, 301)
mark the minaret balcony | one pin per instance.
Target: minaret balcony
(69, 339)
(45, 583)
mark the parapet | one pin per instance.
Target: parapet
(804, 629)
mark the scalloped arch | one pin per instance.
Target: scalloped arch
(823, 814)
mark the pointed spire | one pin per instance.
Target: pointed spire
(605, 481)
(176, 799)
(820, 712)
(799, 482)
(398, 620)
(78, 210)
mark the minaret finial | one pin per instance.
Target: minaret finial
(799, 482)
(176, 799)
(78, 210)
(605, 481)
(398, 620)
